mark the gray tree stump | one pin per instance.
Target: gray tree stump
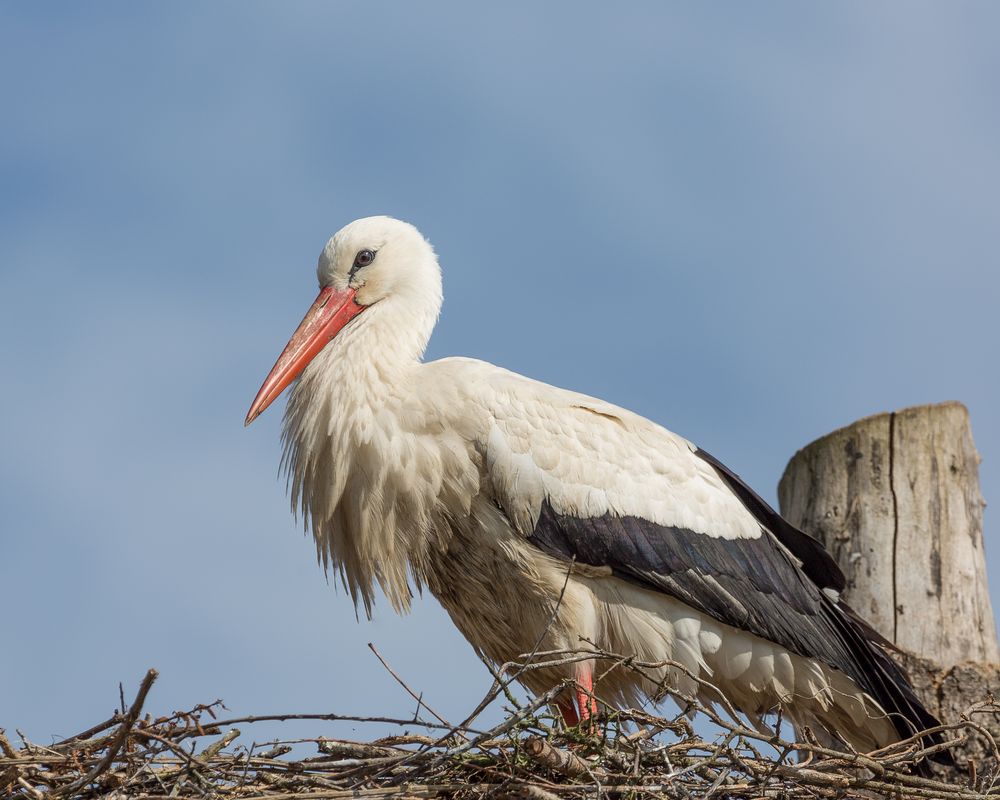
(895, 498)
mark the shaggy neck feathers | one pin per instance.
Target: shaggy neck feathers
(359, 474)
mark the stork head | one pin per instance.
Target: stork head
(372, 261)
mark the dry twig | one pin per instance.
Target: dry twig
(530, 755)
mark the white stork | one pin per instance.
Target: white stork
(501, 494)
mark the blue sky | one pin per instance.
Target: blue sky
(753, 224)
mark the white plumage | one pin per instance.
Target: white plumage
(477, 483)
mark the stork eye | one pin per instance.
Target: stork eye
(364, 258)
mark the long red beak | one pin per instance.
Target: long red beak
(332, 310)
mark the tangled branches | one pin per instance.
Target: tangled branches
(530, 755)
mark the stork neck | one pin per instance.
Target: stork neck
(356, 388)
(381, 345)
(348, 450)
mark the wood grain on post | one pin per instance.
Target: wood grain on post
(895, 498)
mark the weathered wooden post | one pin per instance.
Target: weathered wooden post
(895, 498)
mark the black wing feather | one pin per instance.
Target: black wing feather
(817, 563)
(751, 584)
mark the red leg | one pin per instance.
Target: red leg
(585, 701)
(568, 712)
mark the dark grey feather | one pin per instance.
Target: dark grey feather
(750, 584)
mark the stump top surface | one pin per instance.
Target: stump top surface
(928, 408)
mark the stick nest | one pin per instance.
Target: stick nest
(531, 755)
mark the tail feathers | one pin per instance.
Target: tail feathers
(885, 680)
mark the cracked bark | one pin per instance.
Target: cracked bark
(895, 498)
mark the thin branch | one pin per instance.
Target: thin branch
(418, 697)
(119, 740)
